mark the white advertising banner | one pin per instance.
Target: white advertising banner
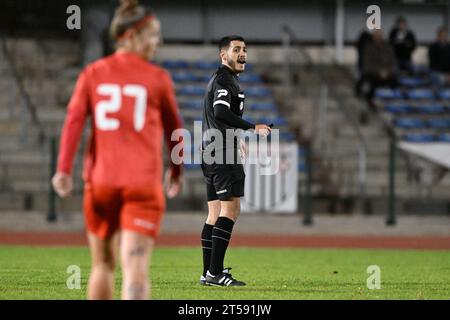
(271, 183)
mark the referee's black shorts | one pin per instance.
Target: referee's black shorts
(224, 181)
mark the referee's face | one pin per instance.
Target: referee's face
(236, 56)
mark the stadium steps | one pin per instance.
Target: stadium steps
(37, 201)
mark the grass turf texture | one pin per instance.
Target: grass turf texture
(41, 273)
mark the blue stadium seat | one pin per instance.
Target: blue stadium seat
(278, 121)
(301, 152)
(192, 166)
(249, 118)
(444, 94)
(175, 64)
(248, 67)
(445, 137)
(192, 104)
(409, 123)
(420, 68)
(301, 166)
(183, 76)
(398, 108)
(250, 78)
(436, 79)
(287, 136)
(205, 65)
(420, 94)
(386, 93)
(258, 92)
(418, 138)
(191, 91)
(439, 123)
(204, 77)
(262, 106)
(412, 82)
(431, 108)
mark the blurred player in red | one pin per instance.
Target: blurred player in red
(131, 103)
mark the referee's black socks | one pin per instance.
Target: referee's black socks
(206, 246)
(221, 235)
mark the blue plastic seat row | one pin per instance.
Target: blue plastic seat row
(196, 104)
(190, 90)
(186, 76)
(200, 65)
(287, 136)
(424, 108)
(182, 64)
(301, 152)
(426, 138)
(262, 106)
(412, 81)
(249, 78)
(278, 121)
(420, 68)
(258, 92)
(301, 166)
(413, 94)
(415, 123)
(192, 166)
(194, 90)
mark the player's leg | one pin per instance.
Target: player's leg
(206, 235)
(101, 279)
(135, 253)
(222, 231)
(140, 221)
(217, 275)
(101, 207)
(229, 195)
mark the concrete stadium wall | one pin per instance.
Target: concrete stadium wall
(311, 21)
(270, 54)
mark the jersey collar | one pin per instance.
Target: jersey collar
(227, 69)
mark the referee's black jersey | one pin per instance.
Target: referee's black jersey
(223, 89)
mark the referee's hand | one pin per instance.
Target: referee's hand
(262, 130)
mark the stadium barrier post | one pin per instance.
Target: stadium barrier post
(51, 214)
(307, 217)
(391, 218)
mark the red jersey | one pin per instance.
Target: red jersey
(132, 104)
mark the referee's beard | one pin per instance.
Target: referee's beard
(235, 66)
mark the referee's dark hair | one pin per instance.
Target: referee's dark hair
(225, 41)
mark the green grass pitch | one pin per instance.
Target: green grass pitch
(41, 273)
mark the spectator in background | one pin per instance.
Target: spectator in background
(439, 57)
(403, 41)
(364, 38)
(379, 64)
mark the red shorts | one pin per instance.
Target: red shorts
(108, 209)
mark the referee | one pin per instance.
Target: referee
(222, 112)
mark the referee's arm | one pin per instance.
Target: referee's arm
(222, 109)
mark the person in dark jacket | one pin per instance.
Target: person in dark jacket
(364, 38)
(403, 41)
(380, 66)
(439, 52)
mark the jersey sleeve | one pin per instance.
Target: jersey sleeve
(171, 119)
(222, 94)
(77, 113)
(222, 106)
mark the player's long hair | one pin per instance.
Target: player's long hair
(128, 15)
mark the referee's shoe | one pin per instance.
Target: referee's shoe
(222, 280)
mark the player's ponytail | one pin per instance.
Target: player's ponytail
(129, 17)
